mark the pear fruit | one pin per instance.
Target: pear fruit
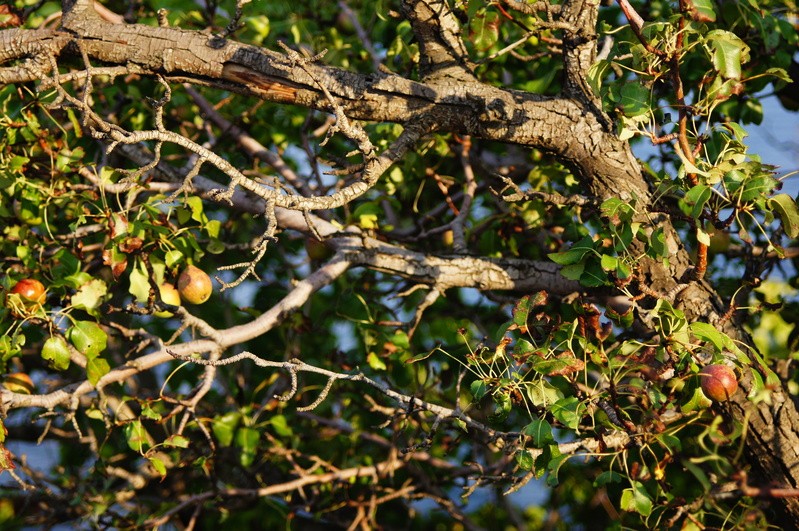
(194, 285)
(718, 382)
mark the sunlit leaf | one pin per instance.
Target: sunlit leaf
(176, 441)
(96, 368)
(88, 338)
(728, 52)
(702, 10)
(90, 296)
(543, 393)
(158, 465)
(56, 351)
(136, 436)
(563, 364)
(708, 332)
(784, 207)
(484, 29)
(636, 499)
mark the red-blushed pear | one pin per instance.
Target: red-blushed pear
(194, 285)
(30, 289)
(25, 297)
(718, 382)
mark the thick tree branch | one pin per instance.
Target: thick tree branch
(444, 54)
(561, 125)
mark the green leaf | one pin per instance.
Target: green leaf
(623, 271)
(196, 206)
(670, 319)
(247, 440)
(636, 499)
(176, 441)
(215, 246)
(225, 426)
(484, 29)
(758, 187)
(149, 413)
(739, 133)
(367, 215)
(90, 296)
(784, 207)
(542, 393)
(759, 391)
(523, 306)
(375, 362)
(136, 436)
(702, 236)
(608, 262)
(11, 346)
(173, 257)
(657, 244)
(708, 332)
(139, 282)
(698, 473)
(573, 272)
(96, 368)
(574, 254)
(617, 210)
(568, 411)
(525, 459)
(695, 199)
(624, 320)
(281, 425)
(593, 276)
(213, 227)
(368, 221)
(502, 407)
(523, 348)
(702, 10)
(607, 477)
(401, 340)
(88, 338)
(540, 431)
(158, 465)
(780, 73)
(553, 467)
(634, 99)
(561, 365)
(728, 52)
(478, 389)
(596, 73)
(56, 351)
(697, 401)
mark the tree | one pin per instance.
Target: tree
(439, 268)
